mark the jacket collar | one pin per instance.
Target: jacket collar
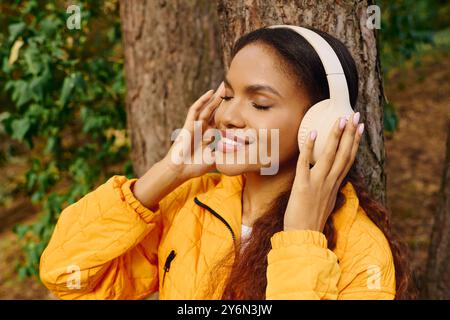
(226, 200)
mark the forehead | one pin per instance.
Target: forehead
(258, 64)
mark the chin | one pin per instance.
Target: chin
(236, 169)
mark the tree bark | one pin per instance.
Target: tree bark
(437, 280)
(346, 20)
(171, 53)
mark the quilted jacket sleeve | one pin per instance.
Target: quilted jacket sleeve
(300, 266)
(105, 246)
(367, 266)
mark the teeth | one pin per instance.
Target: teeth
(231, 142)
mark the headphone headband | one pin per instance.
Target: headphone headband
(330, 61)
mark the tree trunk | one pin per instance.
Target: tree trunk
(437, 279)
(171, 56)
(346, 20)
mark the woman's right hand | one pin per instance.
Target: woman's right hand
(165, 175)
(185, 157)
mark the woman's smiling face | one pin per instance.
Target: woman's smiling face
(260, 93)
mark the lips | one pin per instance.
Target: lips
(230, 142)
(229, 136)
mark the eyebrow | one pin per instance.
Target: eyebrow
(255, 87)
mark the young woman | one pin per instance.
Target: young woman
(307, 232)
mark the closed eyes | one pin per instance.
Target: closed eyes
(256, 106)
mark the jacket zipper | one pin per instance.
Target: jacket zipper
(218, 216)
(169, 259)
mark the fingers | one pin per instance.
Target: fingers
(326, 160)
(211, 106)
(305, 157)
(203, 108)
(197, 106)
(209, 137)
(346, 150)
(356, 141)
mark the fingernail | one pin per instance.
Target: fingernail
(356, 118)
(342, 123)
(361, 129)
(313, 135)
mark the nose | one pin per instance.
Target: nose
(229, 115)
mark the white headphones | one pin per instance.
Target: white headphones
(322, 115)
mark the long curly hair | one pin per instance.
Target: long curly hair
(248, 261)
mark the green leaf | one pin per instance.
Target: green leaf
(30, 6)
(67, 89)
(33, 60)
(20, 230)
(52, 144)
(49, 25)
(390, 118)
(20, 92)
(15, 30)
(37, 196)
(37, 228)
(128, 169)
(5, 118)
(22, 272)
(31, 180)
(6, 67)
(20, 128)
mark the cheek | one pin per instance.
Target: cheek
(219, 114)
(288, 142)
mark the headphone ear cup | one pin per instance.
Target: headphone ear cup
(316, 118)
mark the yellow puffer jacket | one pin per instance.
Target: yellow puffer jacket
(109, 246)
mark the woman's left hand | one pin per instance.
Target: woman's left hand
(315, 189)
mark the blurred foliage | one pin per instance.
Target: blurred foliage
(62, 97)
(407, 28)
